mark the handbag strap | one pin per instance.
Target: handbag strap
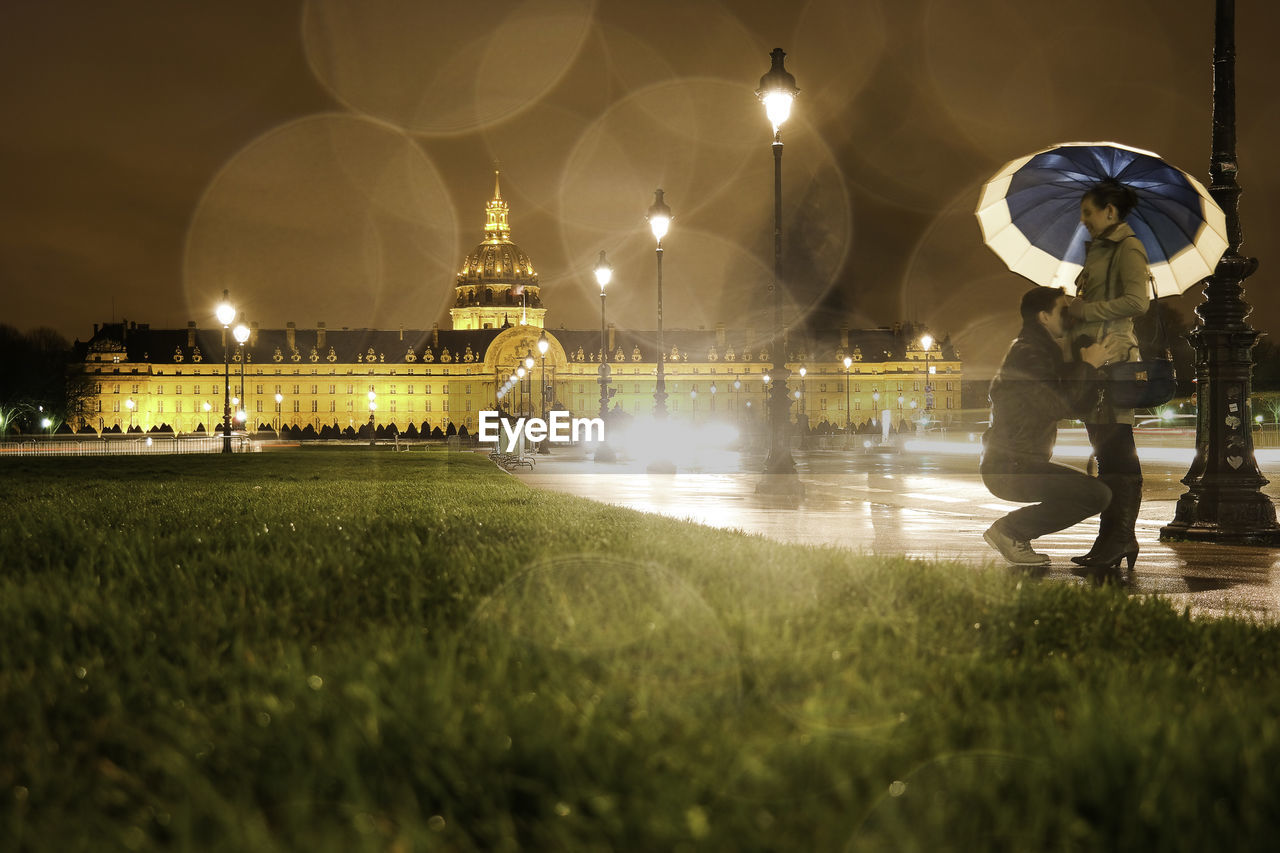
(1159, 339)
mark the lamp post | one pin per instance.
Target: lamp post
(242, 335)
(926, 341)
(848, 362)
(802, 397)
(129, 404)
(659, 222)
(520, 403)
(1224, 502)
(713, 400)
(226, 312)
(373, 405)
(777, 91)
(543, 345)
(604, 274)
(528, 380)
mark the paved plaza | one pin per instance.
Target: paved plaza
(926, 504)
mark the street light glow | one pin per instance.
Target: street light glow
(226, 312)
(604, 272)
(777, 91)
(659, 217)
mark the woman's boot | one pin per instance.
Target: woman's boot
(1119, 542)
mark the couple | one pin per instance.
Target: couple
(1040, 383)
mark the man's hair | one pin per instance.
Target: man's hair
(1039, 299)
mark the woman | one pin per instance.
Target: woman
(1111, 291)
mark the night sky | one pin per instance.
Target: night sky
(330, 161)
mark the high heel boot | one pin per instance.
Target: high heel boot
(1118, 541)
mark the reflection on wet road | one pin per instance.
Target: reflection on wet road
(923, 506)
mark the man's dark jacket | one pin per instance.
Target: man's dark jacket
(1035, 388)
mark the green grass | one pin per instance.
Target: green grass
(356, 650)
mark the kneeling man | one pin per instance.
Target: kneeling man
(1035, 388)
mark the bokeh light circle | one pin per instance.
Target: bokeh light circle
(443, 69)
(344, 216)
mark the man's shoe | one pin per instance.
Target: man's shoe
(1016, 551)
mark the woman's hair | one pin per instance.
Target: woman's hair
(1112, 192)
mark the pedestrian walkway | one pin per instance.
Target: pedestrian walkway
(928, 506)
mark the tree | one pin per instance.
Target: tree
(40, 376)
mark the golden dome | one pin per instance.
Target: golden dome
(497, 260)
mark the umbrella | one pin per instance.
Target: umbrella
(1030, 214)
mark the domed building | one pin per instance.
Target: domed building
(497, 281)
(332, 380)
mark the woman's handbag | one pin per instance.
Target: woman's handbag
(1149, 381)
(1141, 384)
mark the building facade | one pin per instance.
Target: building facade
(143, 378)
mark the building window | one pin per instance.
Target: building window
(315, 389)
(444, 405)
(409, 390)
(296, 392)
(314, 406)
(391, 389)
(351, 389)
(160, 407)
(296, 403)
(393, 407)
(426, 407)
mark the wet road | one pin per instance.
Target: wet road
(925, 505)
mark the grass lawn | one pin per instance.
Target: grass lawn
(343, 650)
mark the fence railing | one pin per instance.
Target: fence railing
(125, 445)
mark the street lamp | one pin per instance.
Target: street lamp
(1224, 502)
(543, 345)
(659, 221)
(927, 342)
(528, 380)
(242, 335)
(129, 404)
(373, 396)
(713, 399)
(604, 274)
(848, 362)
(520, 408)
(226, 312)
(777, 91)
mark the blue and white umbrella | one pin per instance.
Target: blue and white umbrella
(1030, 214)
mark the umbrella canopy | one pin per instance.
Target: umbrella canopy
(1030, 214)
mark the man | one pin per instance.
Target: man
(1035, 388)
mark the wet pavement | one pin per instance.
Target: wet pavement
(925, 504)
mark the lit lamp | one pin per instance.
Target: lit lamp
(927, 342)
(242, 334)
(373, 405)
(226, 312)
(520, 387)
(543, 346)
(279, 400)
(848, 362)
(777, 92)
(129, 404)
(604, 274)
(528, 381)
(659, 221)
(713, 398)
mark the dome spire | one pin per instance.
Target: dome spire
(496, 228)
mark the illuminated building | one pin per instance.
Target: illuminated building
(435, 378)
